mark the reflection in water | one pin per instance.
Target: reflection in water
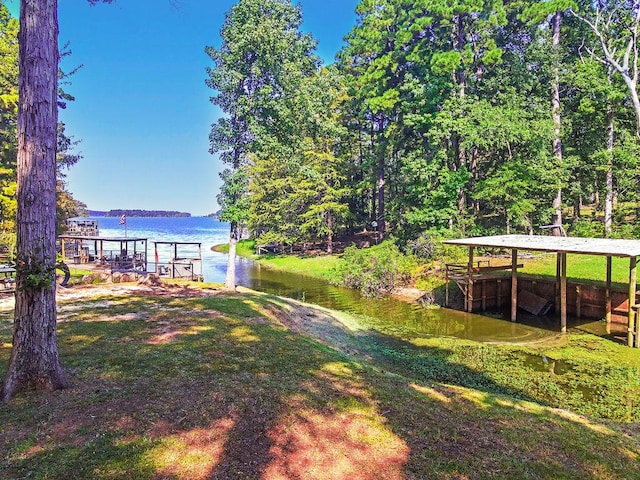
(400, 318)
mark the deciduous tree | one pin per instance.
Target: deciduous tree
(256, 71)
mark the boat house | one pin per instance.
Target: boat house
(130, 254)
(118, 253)
(82, 226)
(482, 283)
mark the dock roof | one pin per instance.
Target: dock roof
(104, 239)
(591, 246)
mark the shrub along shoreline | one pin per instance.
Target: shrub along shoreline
(382, 269)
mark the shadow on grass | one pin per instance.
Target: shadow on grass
(218, 388)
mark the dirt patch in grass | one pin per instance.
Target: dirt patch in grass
(175, 383)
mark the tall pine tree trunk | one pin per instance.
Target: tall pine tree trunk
(330, 234)
(557, 121)
(34, 359)
(577, 206)
(380, 183)
(380, 187)
(461, 81)
(608, 199)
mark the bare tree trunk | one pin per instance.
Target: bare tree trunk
(381, 212)
(34, 359)
(557, 121)
(374, 189)
(381, 183)
(608, 200)
(475, 205)
(577, 206)
(330, 235)
(230, 278)
(632, 86)
(461, 80)
(622, 60)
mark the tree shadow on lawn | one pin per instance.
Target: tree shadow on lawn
(221, 388)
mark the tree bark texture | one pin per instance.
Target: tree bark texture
(34, 359)
(557, 121)
(380, 188)
(608, 199)
(330, 234)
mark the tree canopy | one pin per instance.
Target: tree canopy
(454, 117)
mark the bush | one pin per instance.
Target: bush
(425, 247)
(586, 227)
(626, 230)
(375, 270)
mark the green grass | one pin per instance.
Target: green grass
(251, 386)
(318, 266)
(583, 268)
(244, 248)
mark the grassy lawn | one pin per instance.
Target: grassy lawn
(248, 386)
(580, 267)
(312, 265)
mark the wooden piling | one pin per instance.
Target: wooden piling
(563, 291)
(514, 284)
(608, 296)
(470, 281)
(446, 287)
(633, 278)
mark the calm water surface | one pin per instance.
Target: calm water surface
(405, 319)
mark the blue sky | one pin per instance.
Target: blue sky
(142, 109)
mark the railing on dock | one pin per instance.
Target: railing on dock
(465, 274)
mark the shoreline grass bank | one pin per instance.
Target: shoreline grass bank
(184, 383)
(429, 276)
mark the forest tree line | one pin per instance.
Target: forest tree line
(139, 213)
(447, 117)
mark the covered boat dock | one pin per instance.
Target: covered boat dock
(185, 260)
(561, 246)
(120, 253)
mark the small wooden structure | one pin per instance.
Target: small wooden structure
(561, 246)
(466, 276)
(82, 226)
(121, 254)
(185, 265)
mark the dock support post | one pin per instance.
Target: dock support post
(633, 278)
(446, 287)
(484, 295)
(470, 281)
(578, 301)
(563, 291)
(514, 284)
(608, 296)
(556, 287)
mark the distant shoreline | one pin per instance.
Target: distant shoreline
(139, 213)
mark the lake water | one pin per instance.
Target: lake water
(205, 230)
(389, 314)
